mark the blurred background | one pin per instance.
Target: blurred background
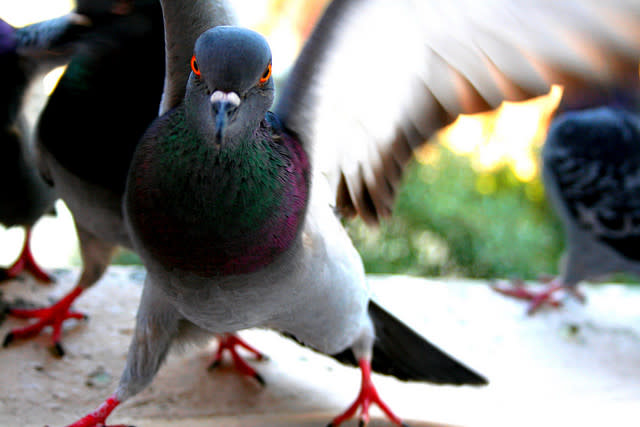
(471, 205)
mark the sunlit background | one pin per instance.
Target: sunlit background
(507, 139)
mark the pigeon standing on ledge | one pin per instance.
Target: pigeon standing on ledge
(591, 172)
(231, 207)
(88, 130)
(26, 55)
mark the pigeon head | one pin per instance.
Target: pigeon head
(230, 87)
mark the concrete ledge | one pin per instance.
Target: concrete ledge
(577, 366)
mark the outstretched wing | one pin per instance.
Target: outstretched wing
(378, 77)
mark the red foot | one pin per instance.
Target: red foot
(51, 316)
(26, 262)
(98, 417)
(538, 299)
(368, 395)
(229, 342)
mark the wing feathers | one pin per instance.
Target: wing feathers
(378, 77)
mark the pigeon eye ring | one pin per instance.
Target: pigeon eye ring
(194, 66)
(266, 75)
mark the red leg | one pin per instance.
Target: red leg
(98, 417)
(538, 299)
(230, 342)
(368, 395)
(52, 316)
(26, 262)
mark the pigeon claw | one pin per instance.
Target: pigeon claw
(230, 343)
(26, 262)
(260, 380)
(538, 299)
(57, 350)
(544, 297)
(368, 395)
(52, 316)
(7, 340)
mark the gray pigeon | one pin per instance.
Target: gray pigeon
(88, 100)
(591, 172)
(231, 207)
(26, 54)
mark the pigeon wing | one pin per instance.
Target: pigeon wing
(378, 77)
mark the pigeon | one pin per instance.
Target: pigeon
(231, 204)
(591, 174)
(87, 131)
(26, 54)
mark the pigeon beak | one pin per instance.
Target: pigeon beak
(224, 105)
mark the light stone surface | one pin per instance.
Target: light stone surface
(575, 366)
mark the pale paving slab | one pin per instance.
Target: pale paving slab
(577, 366)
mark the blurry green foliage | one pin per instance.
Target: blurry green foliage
(452, 220)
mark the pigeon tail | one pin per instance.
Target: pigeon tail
(403, 353)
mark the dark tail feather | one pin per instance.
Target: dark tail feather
(401, 352)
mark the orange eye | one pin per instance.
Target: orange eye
(265, 76)
(194, 66)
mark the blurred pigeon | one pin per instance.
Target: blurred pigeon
(26, 54)
(88, 130)
(591, 172)
(235, 227)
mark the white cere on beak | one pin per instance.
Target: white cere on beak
(230, 97)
